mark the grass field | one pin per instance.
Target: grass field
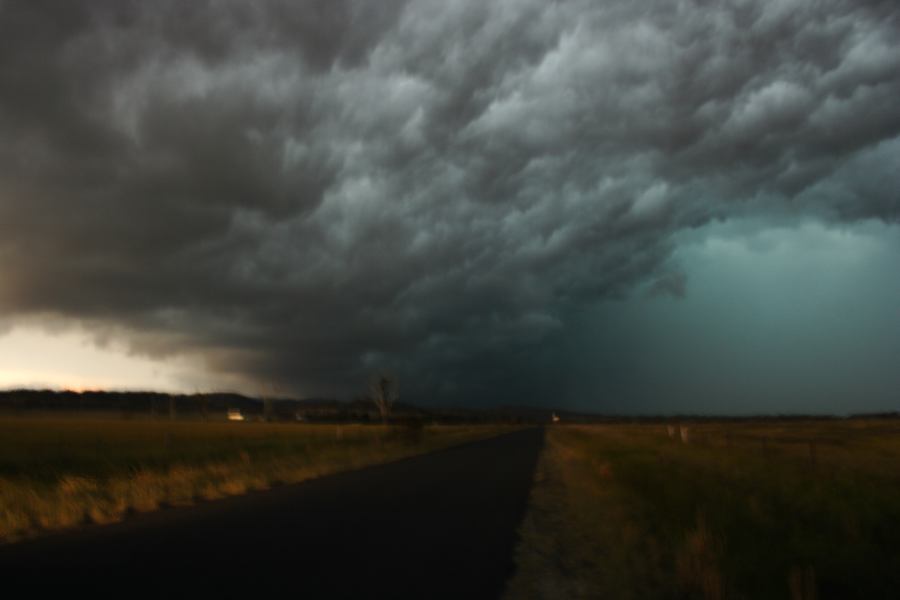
(61, 472)
(796, 510)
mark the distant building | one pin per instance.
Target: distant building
(555, 418)
(234, 414)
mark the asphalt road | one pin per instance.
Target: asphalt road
(442, 525)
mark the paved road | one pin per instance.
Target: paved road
(435, 526)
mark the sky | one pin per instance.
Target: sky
(626, 207)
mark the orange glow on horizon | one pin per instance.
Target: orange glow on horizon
(80, 389)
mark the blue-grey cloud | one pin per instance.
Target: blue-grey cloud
(303, 191)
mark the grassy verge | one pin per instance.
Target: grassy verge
(795, 510)
(57, 473)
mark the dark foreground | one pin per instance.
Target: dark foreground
(438, 525)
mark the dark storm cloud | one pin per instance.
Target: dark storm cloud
(305, 191)
(673, 283)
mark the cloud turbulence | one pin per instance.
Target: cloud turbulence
(301, 192)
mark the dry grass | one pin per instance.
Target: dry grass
(59, 473)
(580, 538)
(698, 571)
(799, 510)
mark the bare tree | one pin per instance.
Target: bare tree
(203, 401)
(384, 389)
(269, 403)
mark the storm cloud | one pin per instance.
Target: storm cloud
(302, 192)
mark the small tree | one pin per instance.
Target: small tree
(269, 404)
(384, 390)
(203, 401)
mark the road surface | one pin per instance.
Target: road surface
(441, 525)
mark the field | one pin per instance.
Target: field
(788, 509)
(61, 472)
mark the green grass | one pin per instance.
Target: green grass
(62, 472)
(744, 510)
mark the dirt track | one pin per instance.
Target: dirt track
(439, 525)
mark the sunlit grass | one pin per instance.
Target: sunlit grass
(57, 473)
(744, 510)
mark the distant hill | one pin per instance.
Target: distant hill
(360, 409)
(127, 402)
(215, 405)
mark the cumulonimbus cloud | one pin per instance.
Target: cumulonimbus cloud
(305, 191)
